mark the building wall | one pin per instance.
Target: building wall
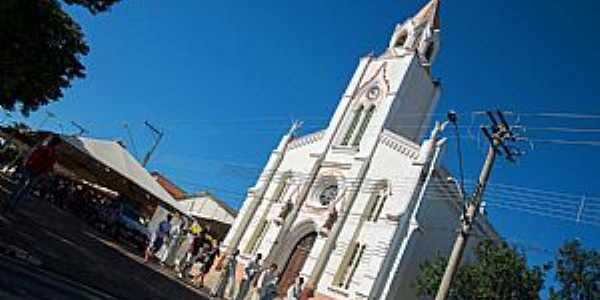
(391, 168)
(390, 161)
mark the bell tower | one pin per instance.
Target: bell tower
(419, 34)
(395, 90)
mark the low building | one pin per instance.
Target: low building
(209, 211)
(174, 190)
(206, 208)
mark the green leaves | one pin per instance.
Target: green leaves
(500, 272)
(577, 273)
(94, 6)
(41, 51)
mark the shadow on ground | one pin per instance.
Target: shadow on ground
(69, 247)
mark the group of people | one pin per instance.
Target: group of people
(193, 255)
(265, 281)
(185, 246)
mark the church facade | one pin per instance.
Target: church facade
(355, 208)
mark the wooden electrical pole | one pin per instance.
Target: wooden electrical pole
(500, 133)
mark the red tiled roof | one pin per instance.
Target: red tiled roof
(171, 188)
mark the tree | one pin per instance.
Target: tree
(577, 273)
(41, 50)
(499, 272)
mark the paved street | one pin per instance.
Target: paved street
(67, 246)
(19, 280)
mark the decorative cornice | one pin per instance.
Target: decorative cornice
(306, 140)
(399, 144)
(344, 149)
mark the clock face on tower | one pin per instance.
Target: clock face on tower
(328, 194)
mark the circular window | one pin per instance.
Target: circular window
(373, 93)
(328, 194)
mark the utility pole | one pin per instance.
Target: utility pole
(500, 133)
(131, 141)
(158, 136)
(82, 130)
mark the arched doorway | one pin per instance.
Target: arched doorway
(295, 262)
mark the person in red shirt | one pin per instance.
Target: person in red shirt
(36, 166)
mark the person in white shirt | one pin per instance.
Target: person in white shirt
(158, 238)
(267, 283)
(293, 293)
(250, 273)
(227, 279)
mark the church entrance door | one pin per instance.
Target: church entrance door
(296, 262)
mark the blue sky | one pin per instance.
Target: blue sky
(224, 78)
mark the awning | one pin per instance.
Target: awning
(109, 164)
(208, 207)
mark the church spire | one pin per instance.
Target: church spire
(419, 33)
(429, 14)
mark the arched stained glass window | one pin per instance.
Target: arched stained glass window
(352, 126)
(363, 126)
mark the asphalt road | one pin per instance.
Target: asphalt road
(21, 281)
(82, 263)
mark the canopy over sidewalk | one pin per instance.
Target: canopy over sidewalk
(102, 162)
(111, 165)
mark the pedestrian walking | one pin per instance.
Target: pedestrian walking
(198, 268)
(158, 238)
(175, 238)
(37, 165)
(267, 283)
(212, 252)
(250, 273)
(293, 293)
(193, 252)
(182, 252)
(226, 284)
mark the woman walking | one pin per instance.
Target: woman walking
(224, 288)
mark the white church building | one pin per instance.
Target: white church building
(357, 207)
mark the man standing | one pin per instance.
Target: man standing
(227, 277)
(158, 237)
(293, 293)
(250, 272)
(267, 283)
(38, 163)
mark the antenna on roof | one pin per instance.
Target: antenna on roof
(157, 137)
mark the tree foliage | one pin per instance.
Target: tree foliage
(577, 273)
(41, 50)
(499, 272)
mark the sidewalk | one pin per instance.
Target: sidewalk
(67, 246)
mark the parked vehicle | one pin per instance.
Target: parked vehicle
(129, 226)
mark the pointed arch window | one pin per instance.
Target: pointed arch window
(377, 206)
(401, 40)
(352, 126)
(429, 52)
(350, 263)
(282, 188)
(363, 125)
